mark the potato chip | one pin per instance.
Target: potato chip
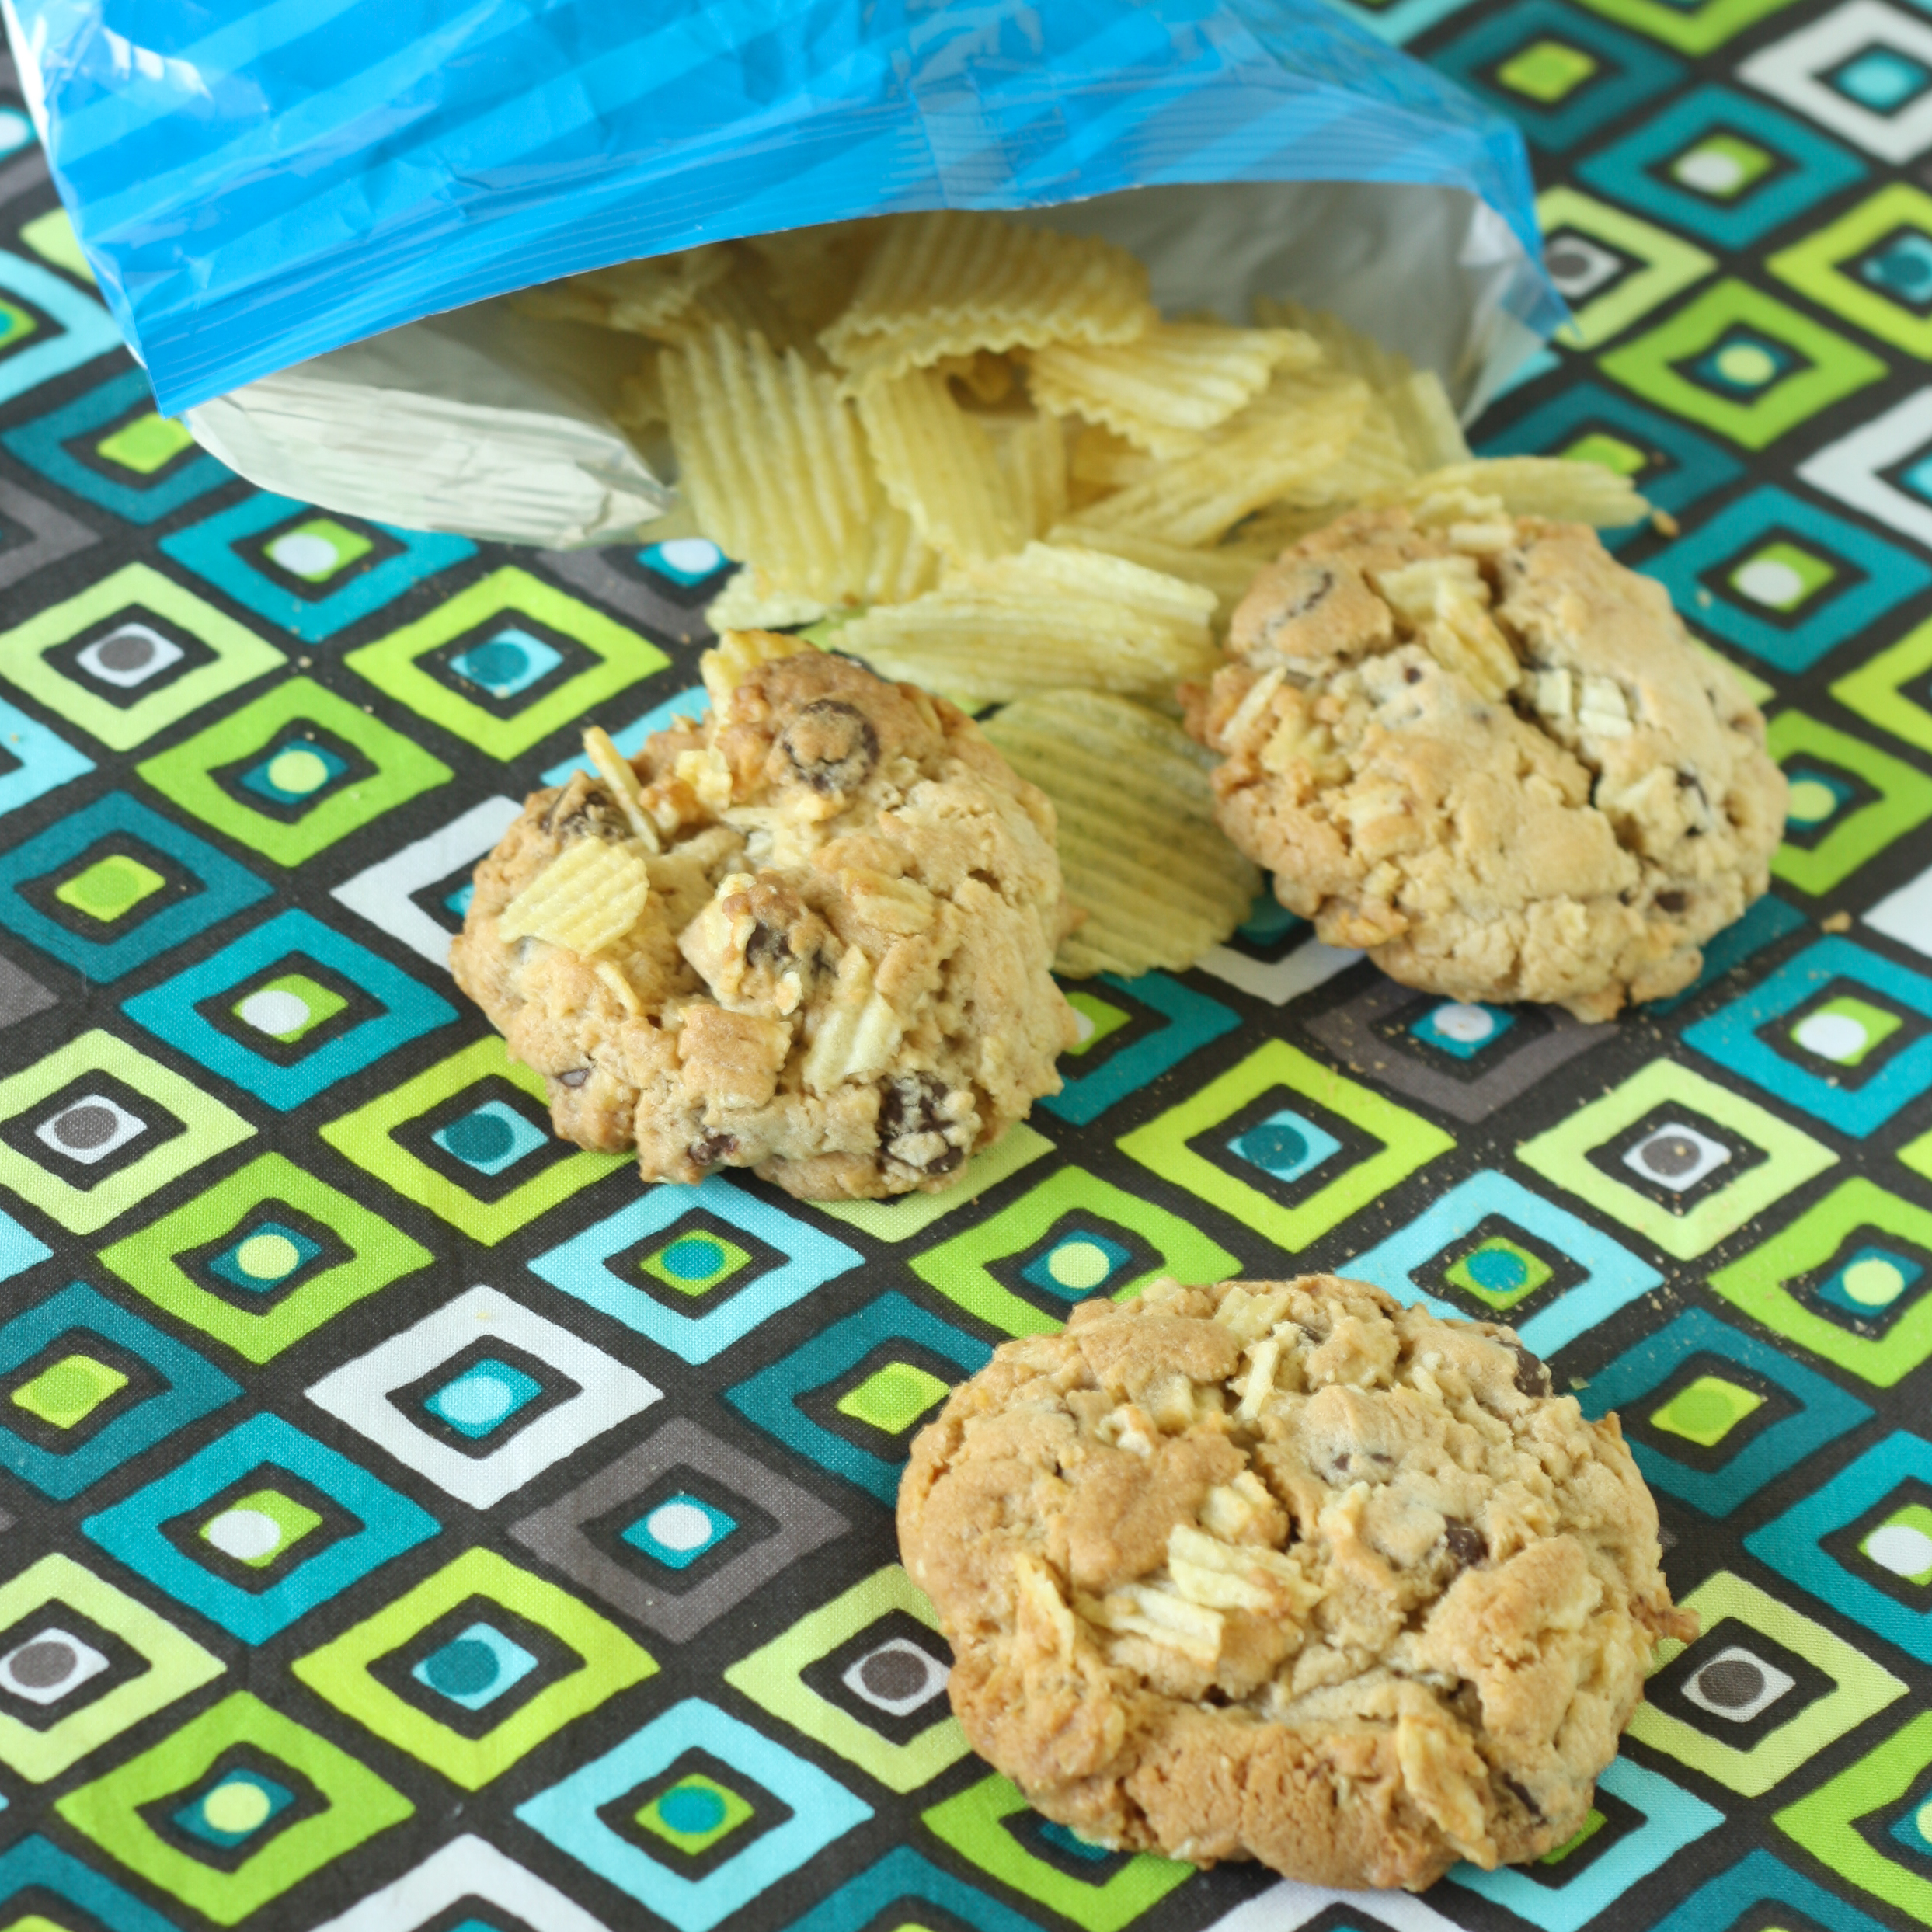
(1033, 452)
(1139, 848)
(1226, 570)
(586, 899)
(938, 466)
(1101, 461)
(1298, 426)
(1052, 615)
(637, 297)
(772, 457)
(1160, 391)
(985, 376)
(620, 781)
(1563, 489)
(899, 564)
(812, 272)
(1376, 458)
(951, 282)
(737, 654)
(1419, 404)
(751, 601)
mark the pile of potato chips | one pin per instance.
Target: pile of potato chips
(976, 454)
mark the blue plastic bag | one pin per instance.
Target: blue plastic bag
(257, 185)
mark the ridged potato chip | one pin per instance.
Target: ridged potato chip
(771, 456)
(1161, 390)
(812, 272)
(938, 466)
(751, 601)
(1139, 848)
(1561, 488)
(1033, 452)
(586, 899)
(1050, 616)
(951, 282)
(637, 297)
(1298, 427)
(1227, 570)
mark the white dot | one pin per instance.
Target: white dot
(1083, 1025)
(1766, 580)
(1829, 1036)
(303, 556)
(245, 1534)
(1710, 170)
(477, 1398)
(1467, 1024)
(696, 555)
(274, 1011)
(1899, 1548)
(680, 1526)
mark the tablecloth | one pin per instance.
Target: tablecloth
(413, 1523)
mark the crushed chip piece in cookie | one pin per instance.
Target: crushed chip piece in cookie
(586, 899)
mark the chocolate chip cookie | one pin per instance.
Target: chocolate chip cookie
(1478, 746)
(810, 934)
(1282, 1570)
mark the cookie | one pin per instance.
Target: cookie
(1282, 1570)
(1489, 754)
(814, 936)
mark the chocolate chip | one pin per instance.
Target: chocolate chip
(832, 746)
(768, 947)
(1323, 583)
(1465, 1543)
(1533, 1374)
(912, 1129)
(1670, 901)
(709, 1149)
(1411, 674)
(576, 1077)
(1522, 1797)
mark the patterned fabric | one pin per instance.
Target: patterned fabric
(415, 1525)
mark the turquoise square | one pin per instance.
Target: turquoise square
(298, 774)
(1870, 1282)
(475, 1667)
(268, 1255)
(1462, 1031)
(483, 1398)
(492, 1138)
(1078, 1265)
(1882, 79)
(507, 663)
(679, 1530)
(230, 1813)
(1285, 1145)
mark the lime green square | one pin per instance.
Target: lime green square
(149, 443)
(1768, 576)
(1408, 1142)
(212, 1129)
(1877, 689)
(1738, 163)
(1874, 1023)
(356, 1805)
(1914, 1518)
(961, 1268)
(185, 774)
(52, 238)
(343, 545)
(148, 1260)
(1826, 1821)
(1562, 1155)
(35, 1922)
(773, 1677)
(703, 1796)
(1706, 1410)
(1829, 368)
(1755, 1283)
(694, 1264)
(323, 1004)
(1860, 1689)
(1904, 802)
(363, 1137)
(391, 662)
(1577, 1839)
(610, 1663)
(110, 887)
(972, 1823)
(894, 1397)
(1547, 70)
(135, 592)
(65, 1393)
(294, 1521)
(1691, 29)
(1098, 1017)
(1500, 1272)
(1611, 451)
(176, 1664)
(1812, 266)
(1668, 263)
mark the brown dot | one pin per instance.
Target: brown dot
(893, 1675)
(42, 1664)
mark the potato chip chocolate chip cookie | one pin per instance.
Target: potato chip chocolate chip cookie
(1478, 746)
(809, 936)
(1281, 1570)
